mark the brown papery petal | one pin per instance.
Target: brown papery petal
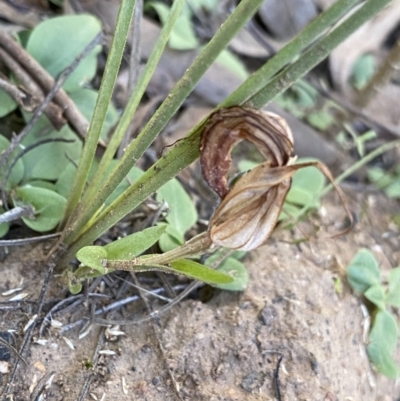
(248, 214)
(226, 127)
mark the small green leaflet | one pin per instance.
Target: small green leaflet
(383, 339)
(363, 271)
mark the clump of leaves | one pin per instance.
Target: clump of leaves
(35, 175)
(183, 35)
(388, 182)
(364, 276)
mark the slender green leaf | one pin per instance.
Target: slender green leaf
(383, 339)
(199, 272)
(48, 206)
(132, 177)
(103, 100)
(135, 244)
(130, 109)
(363, 271)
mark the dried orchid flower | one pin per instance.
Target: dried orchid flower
(248, 212)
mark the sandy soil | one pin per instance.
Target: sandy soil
(228, 348)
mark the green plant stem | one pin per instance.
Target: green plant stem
(183, 88)
(304, 39)
(362, 162)
(198, 244)
(102, 103)
(134, 100)
(316, 54)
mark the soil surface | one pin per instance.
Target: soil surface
(227, 348)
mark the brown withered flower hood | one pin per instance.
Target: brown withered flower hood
(249, 211)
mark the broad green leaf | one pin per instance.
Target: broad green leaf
(305, 94)
(182, 213)
(182, 35)
(362, 71)
(376, 294)
(301, 197)
(85, 100)
(393, 294)
(199, 272)
(222, 253)
(238, 271)
(363, 271)
(4, 227)
(7, 103)
(232, 63)
(17, 172)
(48, 161)
(393, 189)
(56, 43)
(74, 285)
(135, 244)
(320, 119)
(383, 339)
(84, 272)
(380, 177)
(310, 179)
(171, 239)
(290, 211)
(92, 257)
(43, 184)
(48, 205)
(65, 180)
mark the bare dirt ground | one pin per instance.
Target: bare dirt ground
(291, 335)
(228, 348)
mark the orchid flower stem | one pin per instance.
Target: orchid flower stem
(198, 244)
